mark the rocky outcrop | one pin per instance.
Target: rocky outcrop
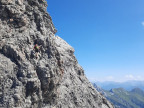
(99, 89)
(53, 79)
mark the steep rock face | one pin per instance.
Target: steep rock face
(52, 80)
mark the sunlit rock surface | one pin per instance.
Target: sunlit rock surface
(52, 80)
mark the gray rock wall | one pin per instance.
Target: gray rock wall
(52, 80)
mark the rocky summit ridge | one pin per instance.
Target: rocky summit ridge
(52, 80)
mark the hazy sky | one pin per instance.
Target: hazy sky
(107, 35)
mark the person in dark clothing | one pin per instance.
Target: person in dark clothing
(36, 49)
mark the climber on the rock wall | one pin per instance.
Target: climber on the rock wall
(36, 48)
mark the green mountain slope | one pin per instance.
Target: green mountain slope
(126, 99)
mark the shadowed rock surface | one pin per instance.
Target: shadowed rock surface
(54, 79)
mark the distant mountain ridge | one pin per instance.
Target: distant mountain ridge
(129, 85)
(126, 99)
(122, 98)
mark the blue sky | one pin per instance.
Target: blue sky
(107, 35)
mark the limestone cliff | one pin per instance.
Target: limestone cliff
(52, 80)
